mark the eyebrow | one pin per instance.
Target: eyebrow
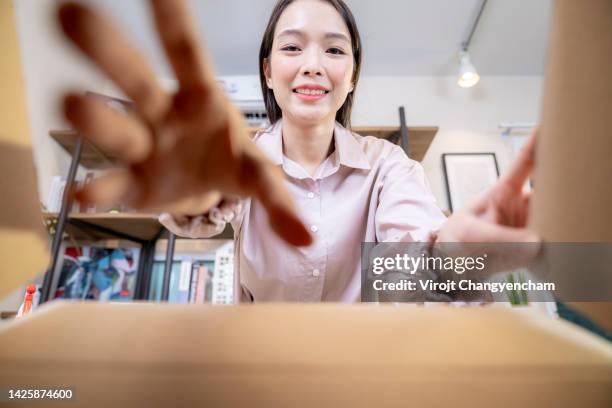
(299, 33)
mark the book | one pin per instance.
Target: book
(200, 292)
(193, 282)
(184, 281)
(89, 177)
(157, 280)
(223, 277)
(56, 192)
(173, 295)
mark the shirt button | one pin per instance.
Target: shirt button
(314, 228)
(311, 194)
(315, 273)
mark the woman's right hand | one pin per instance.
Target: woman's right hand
(180, 152)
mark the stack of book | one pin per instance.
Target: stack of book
(197, 278)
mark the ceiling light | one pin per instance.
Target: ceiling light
(468, 76)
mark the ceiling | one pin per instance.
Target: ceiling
(400, 37)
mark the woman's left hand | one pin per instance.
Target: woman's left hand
(500, 215)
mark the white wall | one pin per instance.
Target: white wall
(467, 118)
(51, 67)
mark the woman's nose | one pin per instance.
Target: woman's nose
(312, 64)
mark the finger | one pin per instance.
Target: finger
(179, 36)
(523, 211)
(99, 40)
(480, 204)
(521, 168)
(266, 183)
(486, 232)
(198, 96)
(116, 134)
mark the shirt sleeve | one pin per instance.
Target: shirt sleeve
(407, 210)
(205, 225)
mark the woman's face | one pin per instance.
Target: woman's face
(311, 63)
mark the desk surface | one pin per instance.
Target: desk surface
(309, 355)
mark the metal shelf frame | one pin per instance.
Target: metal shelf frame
(145, 266)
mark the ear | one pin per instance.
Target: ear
(267, 73)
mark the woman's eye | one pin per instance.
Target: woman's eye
(335, 51)
(290, 48)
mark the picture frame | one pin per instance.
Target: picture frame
(468, 175)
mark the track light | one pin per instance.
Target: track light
(468, 76)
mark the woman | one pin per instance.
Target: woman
(349, 189)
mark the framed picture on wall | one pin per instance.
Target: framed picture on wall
(468, 175)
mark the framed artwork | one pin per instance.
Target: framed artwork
(468, 175)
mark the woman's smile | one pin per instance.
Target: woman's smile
(310, 93)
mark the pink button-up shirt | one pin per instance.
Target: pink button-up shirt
(367, 190)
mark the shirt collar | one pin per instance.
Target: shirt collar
(348, 150)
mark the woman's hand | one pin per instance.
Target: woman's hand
(180, 152)
(500, 215)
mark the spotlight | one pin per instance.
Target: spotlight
(468, 76)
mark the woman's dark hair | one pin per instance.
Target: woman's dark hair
(343, 116)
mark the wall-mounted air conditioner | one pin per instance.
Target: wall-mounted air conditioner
(245, 93)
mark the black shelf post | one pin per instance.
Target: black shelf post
(51, 277)
(168, 267)
(404, 131)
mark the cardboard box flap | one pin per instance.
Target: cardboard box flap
(365, 335)
(305, 355)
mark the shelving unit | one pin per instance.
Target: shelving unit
(143, 229)
(131, 226)
(419, 140)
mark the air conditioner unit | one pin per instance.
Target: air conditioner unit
(245, 93)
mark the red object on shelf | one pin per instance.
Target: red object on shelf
(27, 304)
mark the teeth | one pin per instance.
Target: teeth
(310, 91)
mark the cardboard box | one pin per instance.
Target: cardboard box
(23, 240)
(572, 199)
(305, 355)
